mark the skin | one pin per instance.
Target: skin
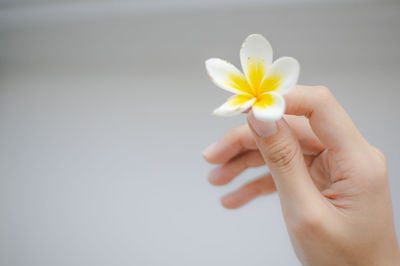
(332, 184)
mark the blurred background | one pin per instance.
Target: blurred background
(105, 107)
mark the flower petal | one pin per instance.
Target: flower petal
(270, 107)
(287, 70)
(235, 105)
(255, 57)
(227, 76)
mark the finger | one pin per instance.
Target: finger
(241, 139)
(327, 118)
(309, 142)
(282, 153)
(251, 190)
(223, 174)
(236, 141)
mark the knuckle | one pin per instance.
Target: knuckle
(379, 168)
(323, 92)
(375, 169)
(282, 154)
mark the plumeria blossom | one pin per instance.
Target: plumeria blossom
(261, 86)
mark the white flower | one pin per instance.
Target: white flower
(263, 83)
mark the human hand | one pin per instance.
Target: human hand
(332, 184)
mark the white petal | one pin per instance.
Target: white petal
(272, 112)
(255, 48)
(288, 69)
(229, 109)
(221, 72)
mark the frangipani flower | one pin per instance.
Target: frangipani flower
(261, 86)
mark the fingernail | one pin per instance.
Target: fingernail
(263, 129)
(210, 149)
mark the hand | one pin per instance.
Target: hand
(332, 184)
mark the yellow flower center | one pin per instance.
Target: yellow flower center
(257, 84)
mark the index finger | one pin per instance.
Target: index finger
(327, 117)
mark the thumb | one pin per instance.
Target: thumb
(282, 153)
